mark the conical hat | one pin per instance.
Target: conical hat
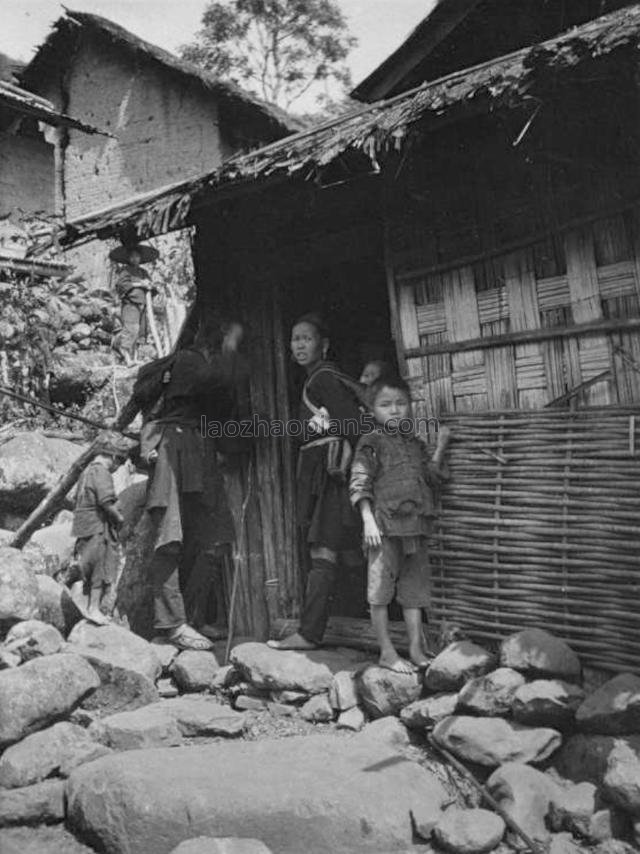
(121, 253)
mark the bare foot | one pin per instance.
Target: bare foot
(294, 641)
(392, 661)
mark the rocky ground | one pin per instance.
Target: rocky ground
(113, 743)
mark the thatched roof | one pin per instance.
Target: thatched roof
(58, 49)
(504, 82)
(28, 104)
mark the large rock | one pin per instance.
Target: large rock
(18, 588)
(30, 466)
(112, 646)
(57, 544)
(277, 670)
(120, 690)
(622, 780)
(42, 803)
(193, 670)
(44, 839)
(547, 702)
(614, 708)
(34, 638)
(230, 845)
(469, 831)
(585, 757)
(138, 730)
(40, 692)
(165, 723)
(203, 716)
(525, 794)
(455, 665)
(323, 793)
(428, 712)
(494, 741)
(56, 750)
(491, 695)
(540, 654)
(55, 605)
(384, 692)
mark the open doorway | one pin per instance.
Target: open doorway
(352, 298)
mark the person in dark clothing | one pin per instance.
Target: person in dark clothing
(330, 527)
(96, 520)
(186, 496)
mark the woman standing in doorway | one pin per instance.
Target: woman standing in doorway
(330, 528)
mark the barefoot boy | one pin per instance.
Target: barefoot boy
(96, 520)
(391, 480)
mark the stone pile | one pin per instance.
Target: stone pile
(510, 717)
(98, 728)
(72, 692)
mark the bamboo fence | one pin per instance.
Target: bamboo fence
(545, 533)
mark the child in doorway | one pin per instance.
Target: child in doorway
(391, 485)
(96, 521)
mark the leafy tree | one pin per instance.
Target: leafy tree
(278, 49)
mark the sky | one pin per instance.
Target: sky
(379, 25)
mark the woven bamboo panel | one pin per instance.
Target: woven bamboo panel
(540, 526)
(585, 275)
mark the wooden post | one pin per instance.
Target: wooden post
(53, 501)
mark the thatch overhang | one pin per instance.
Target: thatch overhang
(25, 103)
(520, 79)
(56, 52)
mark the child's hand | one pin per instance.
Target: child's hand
(371, 532)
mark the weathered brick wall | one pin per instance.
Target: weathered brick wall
(166, 129)
(26, 174)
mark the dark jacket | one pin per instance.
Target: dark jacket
(396, 474)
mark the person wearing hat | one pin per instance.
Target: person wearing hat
(132, 285)
(96, 520)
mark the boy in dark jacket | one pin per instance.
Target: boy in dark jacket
(96, 521)
(391, 485)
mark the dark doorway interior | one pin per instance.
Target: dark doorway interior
(352, 298)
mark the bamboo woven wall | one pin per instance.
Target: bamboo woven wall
(546, 532)
(587, 274)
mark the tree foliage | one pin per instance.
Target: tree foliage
(278, 49)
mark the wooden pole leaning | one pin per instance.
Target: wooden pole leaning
(53, 501)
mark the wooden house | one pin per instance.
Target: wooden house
(485, 228)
